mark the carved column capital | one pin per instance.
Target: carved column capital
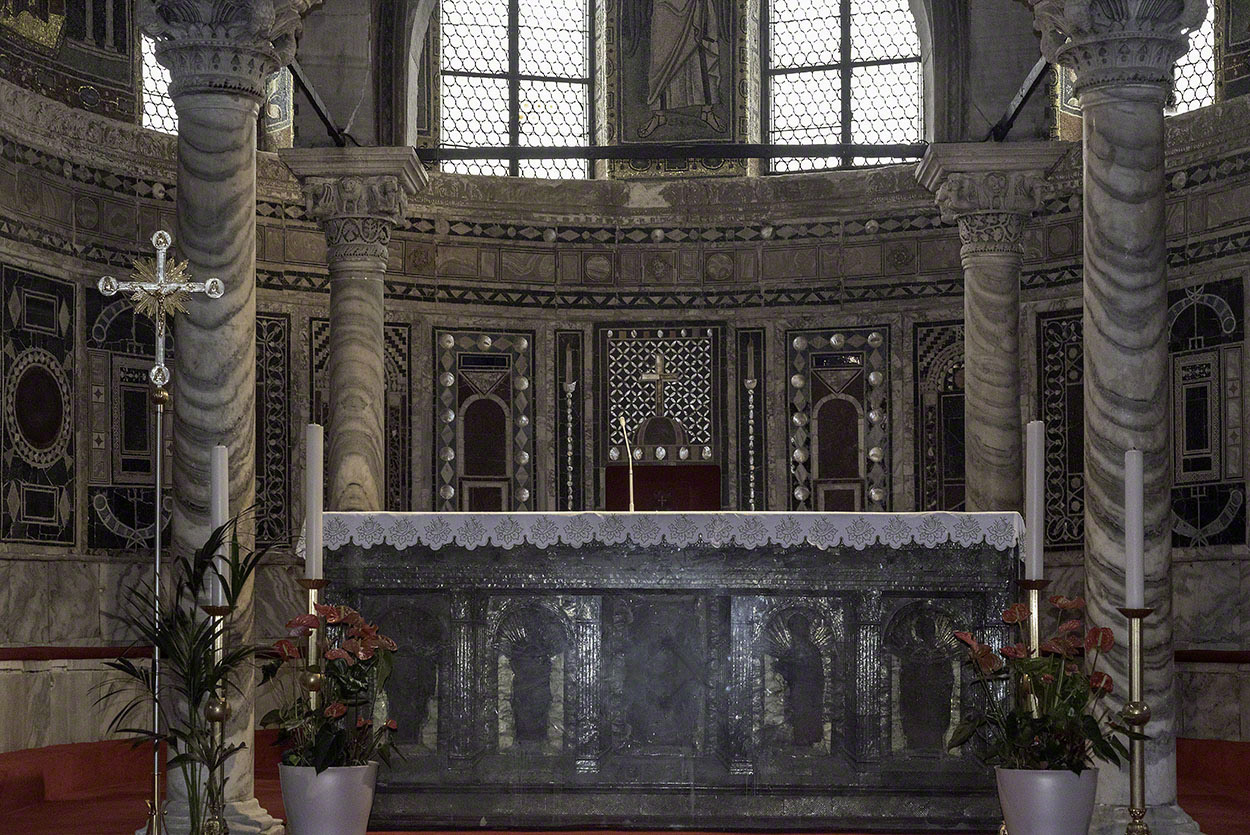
(1117, 42)
(357, 214)
(990, 207)
(223, 46)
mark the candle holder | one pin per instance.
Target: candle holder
(217, 711)
(1136, 713)
(1034, 589)
(312, 678)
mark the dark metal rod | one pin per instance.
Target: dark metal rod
(697, 150)
(318, 106)
(1031, 82)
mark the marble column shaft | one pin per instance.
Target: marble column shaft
(219, 53)
(1123, 57)
(357, 215)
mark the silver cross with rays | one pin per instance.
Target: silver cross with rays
(160, 290)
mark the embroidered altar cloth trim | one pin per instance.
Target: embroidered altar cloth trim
(715, 528)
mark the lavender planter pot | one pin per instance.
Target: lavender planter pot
(335, 802)
(1046, 802)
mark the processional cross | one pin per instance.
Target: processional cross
(160, 290)
(659, 377)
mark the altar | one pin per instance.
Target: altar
(703, 670)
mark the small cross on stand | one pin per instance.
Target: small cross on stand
(659, 377)
(161, 290)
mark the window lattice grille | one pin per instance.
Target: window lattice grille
(515, 72)
(1194, 76)
(841, 71)
(158, 107)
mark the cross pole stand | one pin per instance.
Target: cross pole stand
(161, 290)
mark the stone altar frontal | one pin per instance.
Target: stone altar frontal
(728, 670)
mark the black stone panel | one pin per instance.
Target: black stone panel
(700, 687)
(273, 428)
(938, 360)
(1061, 382)
(37, 467)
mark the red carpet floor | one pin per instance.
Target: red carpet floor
(99, 788)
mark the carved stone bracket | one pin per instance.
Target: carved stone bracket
(225, 46)
(1117, 42)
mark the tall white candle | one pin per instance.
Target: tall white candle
(1034, 498)
(218, 513)
(1134, 531)
(314, 487)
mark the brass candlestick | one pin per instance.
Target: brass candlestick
(1034, 589)
(1136, 713)
(217, 711)
(312, 678)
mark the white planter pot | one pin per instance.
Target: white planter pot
(1046, 802)
(335, 802)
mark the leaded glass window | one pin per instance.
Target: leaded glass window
(1194, 76)
(158, 107)
(516, 72)
(840, 71)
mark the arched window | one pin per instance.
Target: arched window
(515, 72)
(1194, 77)
(840, 71)
(158, 107)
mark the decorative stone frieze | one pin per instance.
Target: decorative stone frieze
(1117, 42)
(223, 45)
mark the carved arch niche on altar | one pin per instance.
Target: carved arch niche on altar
(531, 662)
(418, 681)
(927, 685)
(800, 698)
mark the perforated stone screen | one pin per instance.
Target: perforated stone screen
(158, 107)
(1195, 73)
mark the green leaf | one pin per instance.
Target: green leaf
(963, 732)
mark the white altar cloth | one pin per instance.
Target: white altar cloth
(678, 529)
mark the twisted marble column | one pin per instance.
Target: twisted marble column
(219, 53)
(991, 190)
(358, 195)
(1123, 56)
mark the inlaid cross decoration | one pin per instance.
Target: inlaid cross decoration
(659, 377)
(161, 290)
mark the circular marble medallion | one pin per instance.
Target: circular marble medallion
(37, 408)
(876, 455)
(447, 491)
(447, 341)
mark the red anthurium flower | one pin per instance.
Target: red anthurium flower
(1100, 681)
(324, 611)
(1100, 638)
(1067, 603)
(362, 722)
(391, 725)
(351, 617)
(351, 645)
(335, 709)
(304, 621)
(1047, 678)
(1069, 626)
(365, 653)
(387, 643)
(1017, 613)
(338, 654)
(1070, 668)
(985, 658)
(967, 638)
(1015, 651)
(286, 650)
(1054, 647)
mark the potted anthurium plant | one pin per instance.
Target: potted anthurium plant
(1045, 736)
(330, 720)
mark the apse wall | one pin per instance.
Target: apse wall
(571, 282)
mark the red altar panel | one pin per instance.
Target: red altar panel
(663, 487)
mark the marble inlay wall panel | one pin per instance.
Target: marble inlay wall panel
(397, 421)
(570, 420)
(752, 425)
(838, 395)
(1232, 47)
(483, 418)
(273, 422)
(938, 368)
(38, 468)
(1060, 375)
(1206, 338)
(122, 425)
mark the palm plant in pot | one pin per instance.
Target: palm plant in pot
(1045, 736)
(331, 718)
